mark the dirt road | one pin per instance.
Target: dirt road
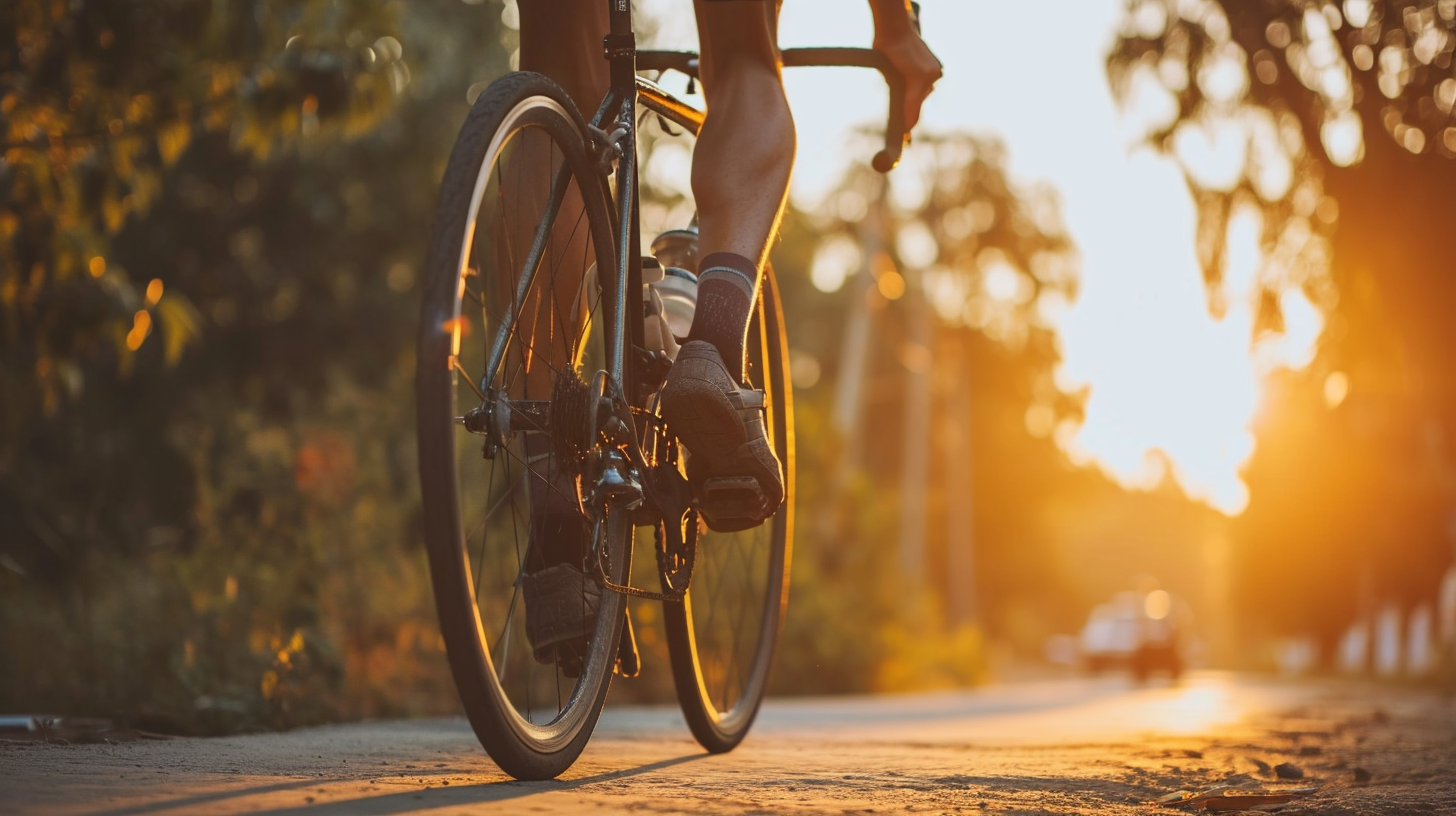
(1056, 747)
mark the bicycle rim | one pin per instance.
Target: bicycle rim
(721, 638)
(492, 326)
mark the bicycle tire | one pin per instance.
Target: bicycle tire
(489, 189)
(720, 676)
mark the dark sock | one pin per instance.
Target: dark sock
(727, 289)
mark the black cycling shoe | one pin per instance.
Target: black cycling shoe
(561, 601)
(561, 611)
(736, 478)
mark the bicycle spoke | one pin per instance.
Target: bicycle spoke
(549, 298)
(516, 538)
(503, 641)
(456, 365)
(533, 256)
(538, 477)
(506, 245)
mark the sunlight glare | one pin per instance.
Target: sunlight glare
(1342, 139)
(1158, 604)
(1224, 79)
(1149, 107)
(1002, 282)
(1357, 12)
(1171, 390)
(1303, 324)
(1213, 152)
(1243, 256)
(1272, 170)
(836, 261)
(1337, 387)
(1194, 709)
(891, 284)
(916, 245)
(1163, 375)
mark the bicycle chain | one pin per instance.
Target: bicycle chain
(604, 564)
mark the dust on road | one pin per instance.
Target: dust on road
(1068, 747)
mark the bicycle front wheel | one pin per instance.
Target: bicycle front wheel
(721, 638)
(513, 318)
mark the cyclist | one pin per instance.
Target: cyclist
(740, 181)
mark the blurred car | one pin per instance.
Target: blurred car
(1135, 631)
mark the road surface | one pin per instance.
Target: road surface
(1053, 747)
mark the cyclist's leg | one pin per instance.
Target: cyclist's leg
(746, 148)
(741, 168)
(563, 40)
(741, 164)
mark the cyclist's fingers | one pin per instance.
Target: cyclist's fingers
(916, 91)
(919, 67)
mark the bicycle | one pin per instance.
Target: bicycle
(514, 359)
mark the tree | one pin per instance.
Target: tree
(954, 271)
(1334, 126)
(98, 101)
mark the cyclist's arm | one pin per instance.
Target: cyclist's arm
(896, 38)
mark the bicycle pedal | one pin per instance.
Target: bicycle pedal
(731, 502)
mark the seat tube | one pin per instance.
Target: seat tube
(620, 48)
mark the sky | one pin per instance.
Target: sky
(1163, 374)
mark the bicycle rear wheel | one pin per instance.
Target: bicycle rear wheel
(721, 638)
(513, 317)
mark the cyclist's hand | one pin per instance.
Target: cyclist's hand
(911, 56)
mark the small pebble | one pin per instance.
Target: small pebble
(1260, 764)
(1288, 770)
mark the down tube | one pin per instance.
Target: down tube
(628, 253)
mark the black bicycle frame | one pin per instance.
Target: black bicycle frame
(620, 46)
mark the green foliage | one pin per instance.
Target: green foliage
(98, 100)
(223, 533)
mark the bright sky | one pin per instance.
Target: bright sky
(1163, 374)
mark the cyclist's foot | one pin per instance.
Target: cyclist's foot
(736, 479)
(561, 610)
(561, 602)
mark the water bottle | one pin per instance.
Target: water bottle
(670, 289)
(677, 249)
(657, 331)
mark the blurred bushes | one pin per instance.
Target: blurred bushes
(220, 533)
